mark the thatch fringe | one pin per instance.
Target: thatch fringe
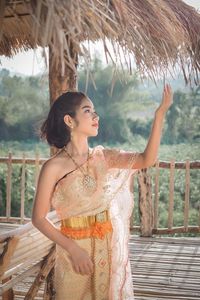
(157, 33)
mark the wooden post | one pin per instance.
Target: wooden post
(49, 292)
(47, 264)
(145, 202)
(5, 258)
(9, 294)
(61, 79)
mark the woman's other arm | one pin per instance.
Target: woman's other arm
(44, 191)
(80, 260)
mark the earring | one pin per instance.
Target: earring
(71, 133)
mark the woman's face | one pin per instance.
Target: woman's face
(87, 120)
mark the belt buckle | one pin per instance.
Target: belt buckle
(100, 217)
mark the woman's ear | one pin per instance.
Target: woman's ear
(68, 120)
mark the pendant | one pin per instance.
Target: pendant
(89, 182)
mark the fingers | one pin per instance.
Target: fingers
(81, 262)
(83, 269)
(167, 88)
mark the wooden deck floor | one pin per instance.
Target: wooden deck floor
(6, 227)
(165, 268)
(162, 268)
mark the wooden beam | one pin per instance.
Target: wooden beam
(62, 78)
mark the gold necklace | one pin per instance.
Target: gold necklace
(88, 181)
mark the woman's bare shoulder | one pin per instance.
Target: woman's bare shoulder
(55, 166)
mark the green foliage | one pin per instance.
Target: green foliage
(183, 118)
(23, 102)
(125, 106)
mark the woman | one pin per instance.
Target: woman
(90, 191)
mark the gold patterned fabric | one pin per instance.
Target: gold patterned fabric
(71, 285)
(113, 170)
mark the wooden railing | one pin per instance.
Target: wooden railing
(148, 191)
(148, 204)
(18, 258)
(23, 162)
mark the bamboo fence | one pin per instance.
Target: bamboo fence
(19, 260)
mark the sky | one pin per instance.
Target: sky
(32, 63)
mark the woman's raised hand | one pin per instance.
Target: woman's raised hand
(80, 260)
(167, 99)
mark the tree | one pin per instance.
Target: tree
(110, 96)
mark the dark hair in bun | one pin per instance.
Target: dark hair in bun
(54, 129)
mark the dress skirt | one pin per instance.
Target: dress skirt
(70, 285)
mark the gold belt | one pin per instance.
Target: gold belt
(85, 221)
(87, 226)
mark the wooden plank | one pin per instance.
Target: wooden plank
(165, 268)
(27, 227)
(179, 165)
(33, 270)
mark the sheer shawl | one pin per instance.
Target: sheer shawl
(120, 165)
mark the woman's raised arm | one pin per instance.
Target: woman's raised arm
(151, 151)
(138, 160)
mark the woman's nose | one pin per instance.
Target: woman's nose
(95, 115)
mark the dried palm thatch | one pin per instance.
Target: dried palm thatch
(159, 34)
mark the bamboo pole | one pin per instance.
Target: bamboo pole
(27, 227)
(8, 186)
(181, 229)
(22, 189)
(187, 194)
(171, 195)
(16, 160)
(21, 258)
(37, 167)
(162, 164)
(156, 194)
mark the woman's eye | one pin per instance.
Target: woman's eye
(88, 110)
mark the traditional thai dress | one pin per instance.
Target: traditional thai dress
(109, 205)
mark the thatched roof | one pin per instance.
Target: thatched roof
(157, 33)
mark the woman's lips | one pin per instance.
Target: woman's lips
(95, 125)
